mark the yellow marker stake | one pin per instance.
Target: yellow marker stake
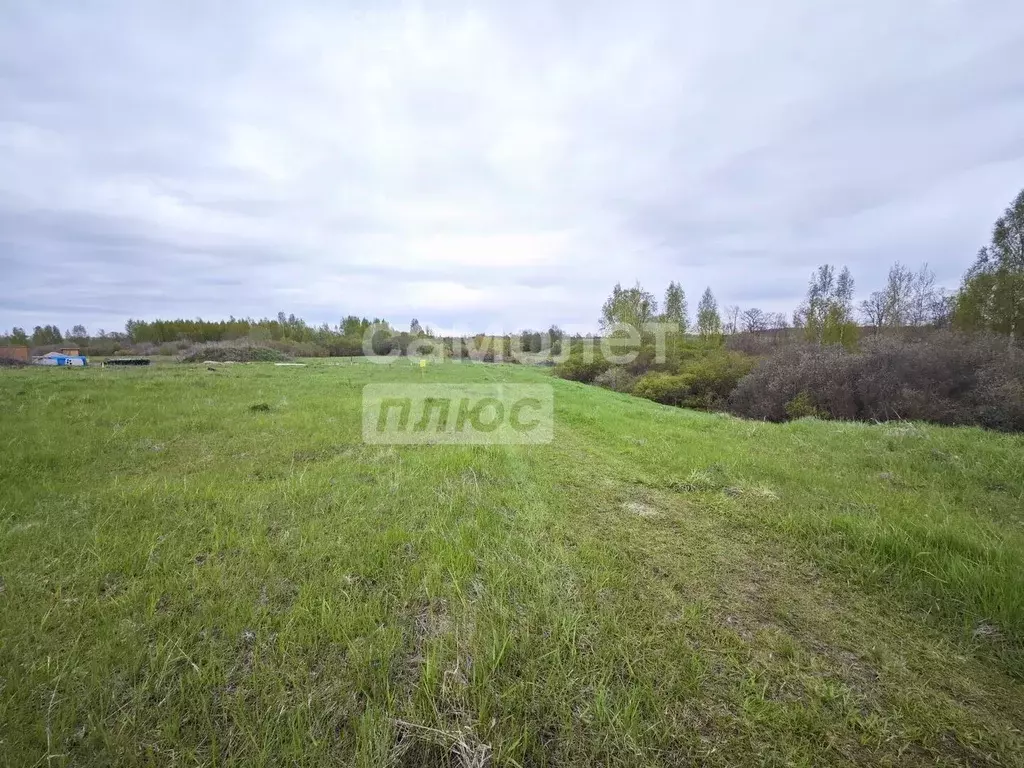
(423, 367)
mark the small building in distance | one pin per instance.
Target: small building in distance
(70, 351)
(17, 352)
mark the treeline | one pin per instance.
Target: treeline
(288, 333)
(827, 315)
(949, 358)
(171, 336)
(281, 328)
(352, 337)
(990, 299)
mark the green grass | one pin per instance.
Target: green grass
(190, 580)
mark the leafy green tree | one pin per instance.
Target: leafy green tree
(354, 326)
(676, 310)
(709, 322)
(415, 329)
(827, 313)
(840, 327)
(992, 295)
(630, 306)
(46, 335)
(531, 341)
(18, 336)
(556, 335)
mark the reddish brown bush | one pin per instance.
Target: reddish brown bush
(946, 378)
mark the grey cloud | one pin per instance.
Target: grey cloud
(493, 164)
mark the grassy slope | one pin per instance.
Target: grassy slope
(186, 580)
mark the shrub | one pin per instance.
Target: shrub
(704, 382)
(618, 379)
(291, 348)
(946, 378)
(577, 368)
(233, 352)
(715, 376)
(665, 388)
(345, 346)
(677, 352)
(763, 343)
(646, 360)
(801, 406)
(104, 347)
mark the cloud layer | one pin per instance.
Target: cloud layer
(491, 165)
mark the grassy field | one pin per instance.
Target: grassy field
(210, 567)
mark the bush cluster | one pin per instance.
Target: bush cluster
(693, 375)
(940, 376)
(617, 379)
(577, 367)
(236, 353)
(704, 382)
(945, 378)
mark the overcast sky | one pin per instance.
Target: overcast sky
(491, 165)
